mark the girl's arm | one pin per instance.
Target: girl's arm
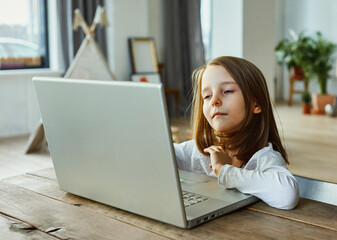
(183, 153)
(274, 185)
(265, 176)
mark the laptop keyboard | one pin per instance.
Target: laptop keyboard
(192, 198)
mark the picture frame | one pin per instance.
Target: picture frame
(143, 55)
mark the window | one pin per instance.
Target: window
(23, 34)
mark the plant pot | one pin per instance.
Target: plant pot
(319, 101)
(306, 108)
(298, 73)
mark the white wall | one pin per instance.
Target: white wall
(245, 28)
(127, 18)
(227, 28)
(19, 111)
(259, 37)
(311, 16)
(279, 29)
(132, 18)
(156, 25)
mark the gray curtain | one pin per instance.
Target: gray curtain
(184, 50)
(70, 39)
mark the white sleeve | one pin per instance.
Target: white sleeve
(183, 153)
(274, 185)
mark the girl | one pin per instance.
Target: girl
(235, 134)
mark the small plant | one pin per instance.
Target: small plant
(306, 106)
(306, 97)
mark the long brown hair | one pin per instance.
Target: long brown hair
(256, 130)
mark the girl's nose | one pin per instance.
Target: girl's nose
(216, 101)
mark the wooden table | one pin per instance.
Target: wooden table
(33, 207)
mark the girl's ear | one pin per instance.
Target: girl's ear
(257, 109)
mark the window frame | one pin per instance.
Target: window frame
(44, 37)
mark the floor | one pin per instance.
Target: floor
(311, 142)
(14, 161)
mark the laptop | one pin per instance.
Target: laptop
(110, 141)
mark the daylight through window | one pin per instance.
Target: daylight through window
(23, 34)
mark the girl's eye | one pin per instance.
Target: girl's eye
(228, 91)
(207, 96)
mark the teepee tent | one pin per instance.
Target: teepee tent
(89, 63)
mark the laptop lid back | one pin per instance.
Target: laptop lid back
(111, 142)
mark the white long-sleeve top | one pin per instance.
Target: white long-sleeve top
(265, 175)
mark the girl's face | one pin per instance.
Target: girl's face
(223, 103)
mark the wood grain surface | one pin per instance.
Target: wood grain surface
(36, 199)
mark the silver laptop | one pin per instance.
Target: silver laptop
(111, 142)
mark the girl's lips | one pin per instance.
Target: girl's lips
(218, 114)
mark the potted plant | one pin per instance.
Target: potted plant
(306, 99)
(295, 53)
(314, 55)
(319, 66)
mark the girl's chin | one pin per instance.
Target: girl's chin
(224, 129)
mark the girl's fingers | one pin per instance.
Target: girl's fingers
(214, 148)
(208, 150)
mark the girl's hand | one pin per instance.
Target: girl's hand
(218, 158)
